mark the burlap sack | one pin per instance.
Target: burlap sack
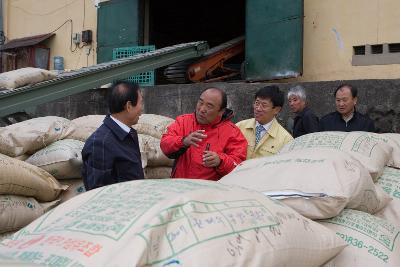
(390, 182)
(62, 159)
(22, 157)
(157, 172)
(372, 242)
(32, 135)
(24, 76)
(370, 149)
(20, 178)
(175, 221)
(17, 212)
(151, 147)
(152, 124)
(75, 187)
(85, 126)
(317, 183)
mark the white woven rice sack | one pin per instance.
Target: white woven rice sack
(394, 142)
(151, 147)
(24, 76)
(6, 235)
(372, 150)
(85, 126)
(372, 242)
(20, 178)
(31, 135)
(152, 124)
(174, 222)
(62, 159)
(390, 182)
(318, 183)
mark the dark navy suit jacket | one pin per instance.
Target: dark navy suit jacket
(334, 122)
(111, 155)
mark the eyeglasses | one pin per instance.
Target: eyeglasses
(262, 105)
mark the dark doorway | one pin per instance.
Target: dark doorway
(178, 21)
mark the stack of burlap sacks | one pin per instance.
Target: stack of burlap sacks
(328, 199)
(172, 222)
(28, 191)
(150, 128)
(40, 162)
(348, 182)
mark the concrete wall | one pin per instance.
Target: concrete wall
(332, 28)
(380, 98)
(25, 18)
(71, 107)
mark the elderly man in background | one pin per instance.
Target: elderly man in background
(264, 133)
(346, 118)
(205, 144)
(305, 121)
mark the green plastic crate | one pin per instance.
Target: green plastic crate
(145, 78)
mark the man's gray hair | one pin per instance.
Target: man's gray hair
(298, 91)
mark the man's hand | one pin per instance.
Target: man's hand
(211, 159)
(193, 138)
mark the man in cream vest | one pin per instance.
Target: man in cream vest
(264, 134)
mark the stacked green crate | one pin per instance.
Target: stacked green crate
(145, 78)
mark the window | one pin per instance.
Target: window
(359, 50)
(394, 48)
(376, 54)
(376, 49)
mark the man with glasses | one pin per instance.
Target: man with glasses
(265, 136)
(205, 144)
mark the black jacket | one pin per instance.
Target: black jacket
(110, 156)
(334, 122)
(305, 122)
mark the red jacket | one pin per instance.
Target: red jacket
(224, 137)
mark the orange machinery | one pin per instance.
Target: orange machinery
(208, 68)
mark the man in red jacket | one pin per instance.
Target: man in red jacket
(205, 144)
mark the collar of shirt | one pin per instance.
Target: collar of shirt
(348, 118)
(265, 126)
(123, 126)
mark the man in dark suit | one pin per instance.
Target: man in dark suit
(346, 118)
(111, 154)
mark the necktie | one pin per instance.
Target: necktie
(259, 129)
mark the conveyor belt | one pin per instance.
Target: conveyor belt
(69, 83)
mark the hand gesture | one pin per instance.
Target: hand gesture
(211, 159)
(194, 138)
